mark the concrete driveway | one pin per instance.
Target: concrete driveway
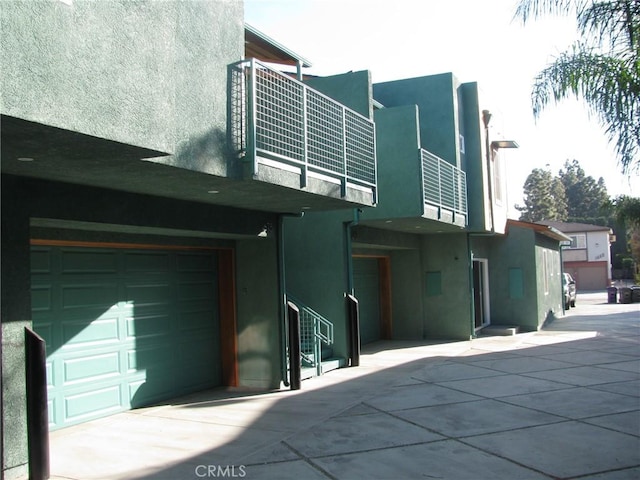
(560, 403)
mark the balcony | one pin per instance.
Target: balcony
(291, 135)
(444, 190)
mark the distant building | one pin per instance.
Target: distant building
(588, 258)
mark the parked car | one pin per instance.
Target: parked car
(569, 289)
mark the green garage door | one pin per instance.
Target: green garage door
(124, 327)
(366, 280)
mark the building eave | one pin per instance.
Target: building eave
(546, 230)
(263, 47)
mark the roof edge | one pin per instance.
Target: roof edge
(278, 46)
(545, 230)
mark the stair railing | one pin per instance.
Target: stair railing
(315, 330)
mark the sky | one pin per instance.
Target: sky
(477, 40)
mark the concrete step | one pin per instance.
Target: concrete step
(499, 330)
(333, 364)
(327, 365)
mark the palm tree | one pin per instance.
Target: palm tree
(602, 68)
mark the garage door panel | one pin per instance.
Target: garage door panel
(88, 332)
(195, 319)
(45, 330)
(41, 298)
(92, 403)
(148, 294)
(49, 373)
(40, 260)
(52, 412)
(90, 368)
(124, 338)
(192, 378)
(143, 327)
(80, 261)
(144, 392)
(143, 262)
(195, 290)
(196, 352)
(150, 356)
(196, 262)
(101, 296)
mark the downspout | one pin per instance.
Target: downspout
(348, 247)
(486, 118)
(562, 281)
(282, 287)
(472, 317)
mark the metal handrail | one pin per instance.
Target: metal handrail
(444, 185)
(315, 330)
(275, 116)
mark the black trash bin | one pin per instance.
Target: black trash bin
(635, 294)
(624, 295)
(612, 294)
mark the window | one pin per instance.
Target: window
(578, 241)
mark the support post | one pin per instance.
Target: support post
(354, 329)
(37, 412)
(295, 365)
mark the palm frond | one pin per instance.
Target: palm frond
(614, 22)
(531, 9)
(609, 86)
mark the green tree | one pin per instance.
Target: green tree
(585, 198)
(627, 210)
(627, 215)
(543, 197)
(603, 68)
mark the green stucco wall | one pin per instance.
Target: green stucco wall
(259, 320)
(351, 89)
(448, 311)
(520, 254)
(475, 160)
(437, 99)
(549, 300)
(399, 164)
(158, 80)
(513, 251)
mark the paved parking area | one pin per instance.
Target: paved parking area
(560, 403)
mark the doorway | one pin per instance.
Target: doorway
(372, 285)
(481, 293)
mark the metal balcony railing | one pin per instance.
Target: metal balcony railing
(277, 117)
(444, 186)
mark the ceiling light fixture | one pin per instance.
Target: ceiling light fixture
(504, 144)
(266, 230)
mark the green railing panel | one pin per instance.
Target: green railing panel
(276, 116)
(444, 186)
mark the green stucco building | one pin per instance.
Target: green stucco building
(166, 190)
